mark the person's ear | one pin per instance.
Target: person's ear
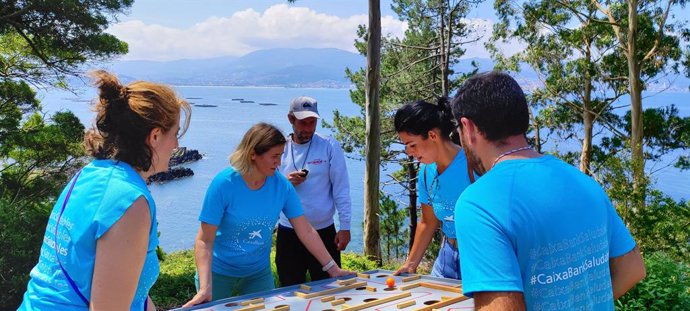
(469, 130)
(432, 134)
(252, 155)
(291, 118)
(154, 137)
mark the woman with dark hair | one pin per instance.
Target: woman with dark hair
(430, 136)
(240, 211)
(99, 248)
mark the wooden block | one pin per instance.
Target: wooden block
(346, 282)
(344, 306)
(371, 288)
(337, 302)
(406, 304)
(305, 287)
(327, 298)
(447, 288)
(252, 307)
(378, 302)
(282, 308)
(330, 291)
(444, 303)
(444, 298)
(410, 286)
(411, 278)
(363, 275)
(251, 302)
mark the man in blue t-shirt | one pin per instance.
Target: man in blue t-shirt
(535, 233)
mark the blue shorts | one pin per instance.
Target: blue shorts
(227, 286)
(447, 264)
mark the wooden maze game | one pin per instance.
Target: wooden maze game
(365, 291)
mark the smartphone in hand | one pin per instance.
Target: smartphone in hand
(304, 172)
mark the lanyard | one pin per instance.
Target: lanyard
(292, 153)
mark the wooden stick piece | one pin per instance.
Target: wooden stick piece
(378, 302)
(327, 298)
(251, 302)
(346, 282)
(371, 288)
(337, 302)
(363, 275)
(252, 307)
(282, 308)
(410, 286)
(329, 291)
(441, 287)
(411, 278)
(406, 304)
(441, 304)
(305, 287)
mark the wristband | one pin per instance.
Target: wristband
(328, 266)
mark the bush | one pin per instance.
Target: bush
(666, 287)
(21, 235)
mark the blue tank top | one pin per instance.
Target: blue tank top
(102, 193)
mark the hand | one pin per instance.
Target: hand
(336, 272)
(200, 297)
(296, 178)
(407, 267)
(342, 238)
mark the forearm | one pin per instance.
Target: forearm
(203, 256)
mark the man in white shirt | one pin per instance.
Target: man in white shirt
(315, 165)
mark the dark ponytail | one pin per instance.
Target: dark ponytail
(420, 117)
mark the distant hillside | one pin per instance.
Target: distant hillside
(273, 67)
(297, 68)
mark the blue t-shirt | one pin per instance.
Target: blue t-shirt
(104, 191)
(442, 191)
(245, 219)
(541, 227)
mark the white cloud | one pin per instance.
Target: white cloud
(280, 26)
(483, 29)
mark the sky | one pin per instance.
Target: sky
(164, 30)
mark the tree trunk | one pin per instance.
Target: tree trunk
(373, 141)
(412, 185)
(636, 132)
(587, 120)
(445, 47)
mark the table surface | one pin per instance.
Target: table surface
(366, 291)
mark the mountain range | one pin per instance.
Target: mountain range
(307, 67)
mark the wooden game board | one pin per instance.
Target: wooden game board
(365, 291)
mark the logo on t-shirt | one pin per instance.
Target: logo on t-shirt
(316, 162)
(255, 234)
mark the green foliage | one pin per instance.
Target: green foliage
(45, 40)
(394, 235)
(20, 247)
(666, 287)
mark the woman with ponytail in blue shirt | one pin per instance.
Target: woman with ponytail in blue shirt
(99, 248)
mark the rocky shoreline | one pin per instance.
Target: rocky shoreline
(181, 156)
